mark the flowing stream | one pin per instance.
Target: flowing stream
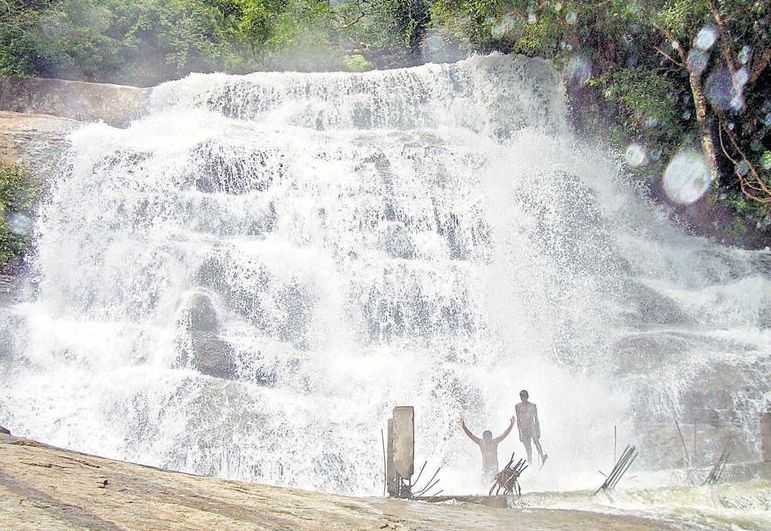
(244, 282)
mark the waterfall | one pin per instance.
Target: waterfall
(244, 282)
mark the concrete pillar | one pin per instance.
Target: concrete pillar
(404, 440)
(400, 454)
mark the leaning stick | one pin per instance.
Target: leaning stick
(385, 466)
(420, 473)
(434, 476)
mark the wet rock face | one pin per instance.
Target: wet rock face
(712, 403)
(212, 356)
(199, 345)
(570, 226)
(236, 170)
(201, 315)
(398, 242)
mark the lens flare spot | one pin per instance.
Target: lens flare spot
(19, 224)
(744, 54)
(741, 77)
(505, 25)
(697, 60)
(687, 177)
(635, 155)
(720, 89)
(705, 38)
(578, 71)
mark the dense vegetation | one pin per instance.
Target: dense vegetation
(148, 41)
(657, 75)
(18, 193)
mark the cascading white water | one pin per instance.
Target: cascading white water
(245, 282)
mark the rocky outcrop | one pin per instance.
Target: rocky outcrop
(35, 140)
(77, 100)
(36, 116)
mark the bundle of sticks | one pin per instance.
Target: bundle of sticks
(717, 470)
(619, 469)
(508, 478)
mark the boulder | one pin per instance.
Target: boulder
(212, 356)
(201, 316)
(199, 345)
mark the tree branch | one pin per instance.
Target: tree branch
(725, 40)
(722, 145)
(760, 65)
(665, 54)
(757, 184)
(672, 40)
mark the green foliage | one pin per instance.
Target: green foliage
(646, 98)
(18, 194)
(147, 41)
(384, 23)
(144, 41)
(679, 17)
(468, 20)
(357, 63)
(541, 37)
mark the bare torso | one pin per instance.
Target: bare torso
(527, 420)
(489, 450)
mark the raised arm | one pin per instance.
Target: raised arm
(506, 433)
(468, 432)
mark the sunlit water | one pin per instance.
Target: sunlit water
(433, 236)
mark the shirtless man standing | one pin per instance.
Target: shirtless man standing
(489, 447)
(529, 427)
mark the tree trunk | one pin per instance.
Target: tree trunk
(707, 138)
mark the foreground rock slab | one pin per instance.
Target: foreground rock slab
(48, 488)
